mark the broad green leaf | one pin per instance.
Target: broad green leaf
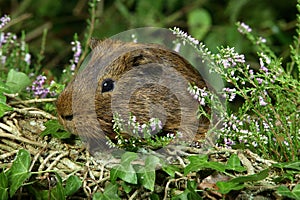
(196, 163)
(147, 179)
(201, 162)
(226, 187)
(216, 166)
(3, 186)
(110, 192)
(125, 170)
(170, 170)
(4, 88)
(288, 165)
(254, 177)
(296, 191)
(18, 172)
(284, 191)
(17, 81)
(127, 188)
(73, 183)
(238, 182)
(58, 192)
(146, 174)
(234, 163)
(189, 192)
(4, 108)
(54, 128)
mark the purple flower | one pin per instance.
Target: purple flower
(229, 93)
(198, 94)
(228, 142)
(259, 80)
(262, 101)
(77, 52)
(4, 20)
(229, 58)
(38, 87)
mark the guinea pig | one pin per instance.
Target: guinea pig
(145, 80)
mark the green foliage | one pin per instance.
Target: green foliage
(17, 81)
(141, 135)
(55, 129)
(19, 171)
(18, 175)
(110, 192)
(201, 162)
(294, 194)
(189, 192)
(133, 173)
(3, 106)
(239, 182)
(266, 119)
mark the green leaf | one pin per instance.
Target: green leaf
(73, 183)
(4, 88)
(58, 192)
(110, 192)
(17, 81)
(19, 171)
(296, 191)
(288, 165)
(54, 128)
(146, 174)
(226, 187)
(238, 182)
(234, 163)
(3, 106)
(284, 191)
(199, 22)
(189, 192)
(201, 162)
(254, 177)
(170, 170)
(126, 188)
(3, 186)
(125, 170)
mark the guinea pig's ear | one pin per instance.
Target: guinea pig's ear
(94, 43)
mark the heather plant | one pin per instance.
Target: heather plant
(267, 120)
(141, 135)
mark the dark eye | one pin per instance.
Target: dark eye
(107, 85)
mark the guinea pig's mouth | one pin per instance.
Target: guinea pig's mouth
(67, 117)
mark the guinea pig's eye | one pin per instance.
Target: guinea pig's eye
(107, 85)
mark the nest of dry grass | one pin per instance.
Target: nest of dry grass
(21, 128)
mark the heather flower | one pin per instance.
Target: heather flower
(77, 52)
(228, 143)
(261, 101)
(183, 34)
(155, 124)
(261, 40)
(229, 58)
(27, 58)
(38, 87)
(198, 94)
(259, 80)
(4, 20)
(243, 28)
(229, 93)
